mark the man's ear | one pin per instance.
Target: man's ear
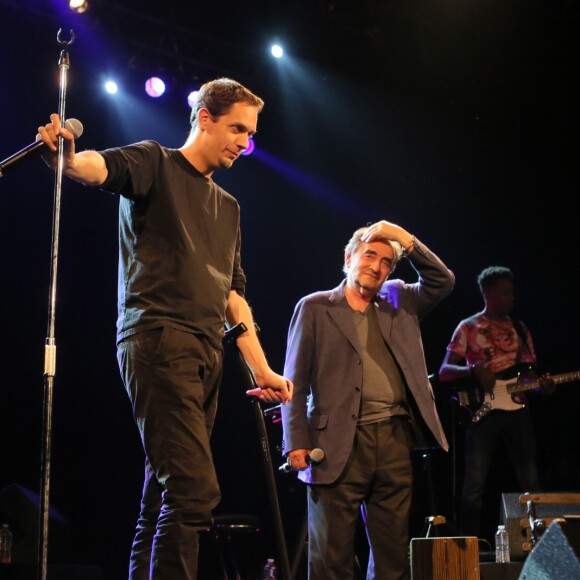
(203, 118)
(347, 259)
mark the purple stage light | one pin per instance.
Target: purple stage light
(250, 148)
(154, 87)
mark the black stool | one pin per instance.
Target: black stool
(223, 529)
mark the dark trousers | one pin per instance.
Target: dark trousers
(379, 473)
(172, 379)
(513, 430)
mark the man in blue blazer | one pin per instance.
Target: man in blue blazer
(356, 359)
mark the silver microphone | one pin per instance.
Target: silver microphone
(37, 148)
(313, 458)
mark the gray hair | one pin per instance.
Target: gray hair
(355, 242)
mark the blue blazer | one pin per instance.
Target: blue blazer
(324, 361)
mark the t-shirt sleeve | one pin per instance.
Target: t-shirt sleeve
(458, 343)
(132, 169)
(238, 275)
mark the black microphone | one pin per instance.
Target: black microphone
(37, 148)
(313, 458)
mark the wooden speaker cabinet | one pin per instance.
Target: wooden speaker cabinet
(444, 558)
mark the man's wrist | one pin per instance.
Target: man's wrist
(408, 248)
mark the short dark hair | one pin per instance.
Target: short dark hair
(489, 276)
(219, 95)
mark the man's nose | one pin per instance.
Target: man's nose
(243, 141)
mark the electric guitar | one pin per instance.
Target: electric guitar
(508, 385)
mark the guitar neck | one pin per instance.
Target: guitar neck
(523, 386)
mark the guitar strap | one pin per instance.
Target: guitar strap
(519, 329)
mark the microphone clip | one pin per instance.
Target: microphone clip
(232, 334)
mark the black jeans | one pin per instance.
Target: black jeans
(513, 430)
(172, 379)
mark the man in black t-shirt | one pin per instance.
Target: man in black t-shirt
(180, 282)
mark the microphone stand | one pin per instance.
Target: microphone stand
(50, 344)
(230, 336)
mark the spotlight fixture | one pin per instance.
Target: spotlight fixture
(277, 51)
(154, 87)
(111, 87)
(78, 6)
(192, 98)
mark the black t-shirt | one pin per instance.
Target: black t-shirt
(179, 243)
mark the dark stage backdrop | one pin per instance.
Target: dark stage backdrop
(465, 134)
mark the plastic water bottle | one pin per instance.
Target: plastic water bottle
(502, 545)
(270, 570)
(5, 544)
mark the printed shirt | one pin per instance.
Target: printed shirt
(491, 343)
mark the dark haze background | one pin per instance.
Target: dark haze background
(456, 120)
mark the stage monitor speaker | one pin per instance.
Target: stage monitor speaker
(556, 556)
(20, 508)
(513, 514)
(444, 558)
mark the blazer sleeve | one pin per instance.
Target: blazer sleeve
(300, 353)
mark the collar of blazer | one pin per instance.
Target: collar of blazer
(342, 315)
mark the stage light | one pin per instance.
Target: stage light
(154, 87)
(111, 87)
(78, 6)
(277, 51)
(250, 148)
(192, 98)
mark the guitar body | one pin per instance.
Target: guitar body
(473, 399)
(508, 391)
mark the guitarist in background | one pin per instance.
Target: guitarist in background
(487, 346)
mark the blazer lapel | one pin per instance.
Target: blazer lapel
(341, 313)
(385, 322)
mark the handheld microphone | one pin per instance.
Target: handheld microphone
(37, 148)
(313, 458)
